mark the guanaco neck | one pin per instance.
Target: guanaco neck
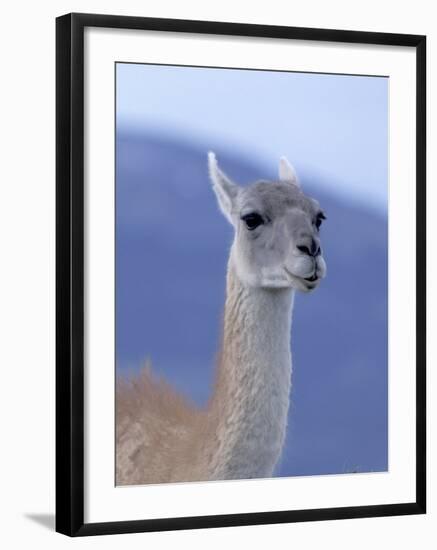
(250, 403)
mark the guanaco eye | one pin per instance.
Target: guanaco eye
(319, 219)
(252, 220)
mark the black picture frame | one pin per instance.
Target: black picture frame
(70, 273)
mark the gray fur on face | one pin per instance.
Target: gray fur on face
(284, 250)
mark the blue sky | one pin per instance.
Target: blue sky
(331, 127)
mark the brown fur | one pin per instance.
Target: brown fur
(151, 415)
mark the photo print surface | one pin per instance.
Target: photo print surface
(251, 274)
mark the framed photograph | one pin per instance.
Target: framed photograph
(240, 274)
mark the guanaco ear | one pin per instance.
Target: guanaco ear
(287, 173)
(226, 191)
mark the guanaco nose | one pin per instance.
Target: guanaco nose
(311, 248)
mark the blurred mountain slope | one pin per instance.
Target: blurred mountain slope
(172, 247)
